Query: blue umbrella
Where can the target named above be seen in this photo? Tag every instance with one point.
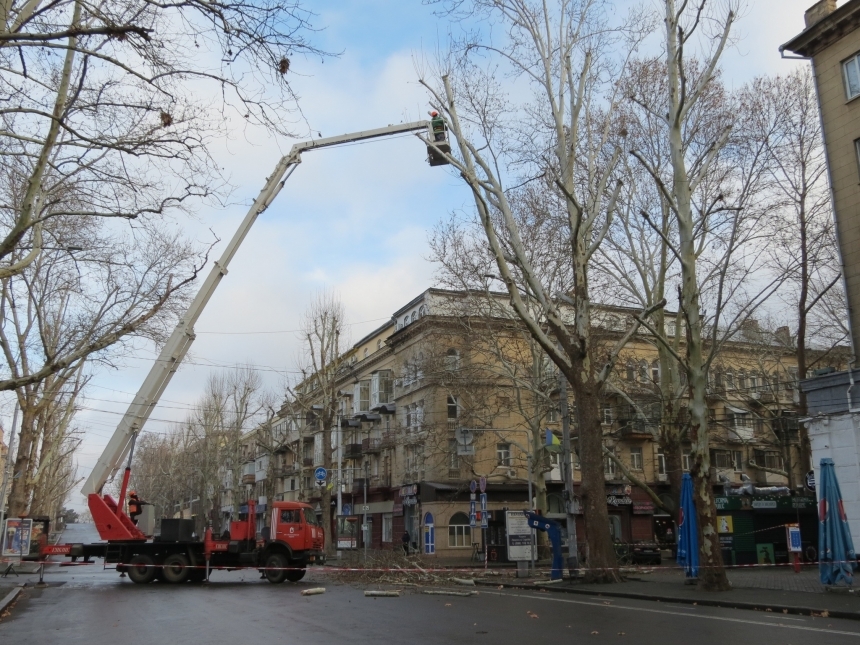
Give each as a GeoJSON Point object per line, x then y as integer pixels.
{"type": "Point", "coordinates": [836, 557]}
{"type": "Point", "coordinates": [688, 530]}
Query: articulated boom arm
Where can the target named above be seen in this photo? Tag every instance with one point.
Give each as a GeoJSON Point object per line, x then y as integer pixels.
{"type": "Point", "coordinates": [183, 335]}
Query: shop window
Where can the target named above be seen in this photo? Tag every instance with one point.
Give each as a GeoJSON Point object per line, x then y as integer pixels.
{"type": "Point", "coordinates": [387, 527]}
{"type": "Point", "coordinates": [615, 528]}
{"type": "Point", "coordinates": [636, 458]}
{"type": "Point", "coordinates": [503, 454]}
{"type": "Point", "coordinates": [459, 532]}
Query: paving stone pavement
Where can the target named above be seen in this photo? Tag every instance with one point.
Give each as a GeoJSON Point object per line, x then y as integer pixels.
{"type": "Point", "coordinates": [776, 578]}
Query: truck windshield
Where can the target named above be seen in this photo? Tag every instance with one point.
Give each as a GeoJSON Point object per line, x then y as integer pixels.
{"type": "Point", "coordinates": [310, 517]}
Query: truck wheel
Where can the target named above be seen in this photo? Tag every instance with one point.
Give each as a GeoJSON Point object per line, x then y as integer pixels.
{"type": "Point", "coordinates": [275, 568]}
{"type": "Point", "coordinates": [141, 569]}
{"type": "Point", "coordinates": [175, 568]}
{"type": "Point", "coordinates": [294, 575]}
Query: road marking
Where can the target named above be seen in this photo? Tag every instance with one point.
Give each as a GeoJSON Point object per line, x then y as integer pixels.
{"type": "Point", "coordinates": [677, 613]}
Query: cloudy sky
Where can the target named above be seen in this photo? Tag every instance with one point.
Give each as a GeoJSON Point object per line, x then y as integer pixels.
{"type": "Point", "coordinates": [354, 219]}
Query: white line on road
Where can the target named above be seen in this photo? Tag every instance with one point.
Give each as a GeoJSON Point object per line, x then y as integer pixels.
{"type": "Point", "coordinates": [678, 613]}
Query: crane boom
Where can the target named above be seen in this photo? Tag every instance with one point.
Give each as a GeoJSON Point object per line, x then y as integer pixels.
{"type": "Point", "coordinates": [180, 340]}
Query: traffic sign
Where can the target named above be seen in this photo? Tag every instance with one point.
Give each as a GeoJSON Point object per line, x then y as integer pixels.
{"type": "Point", "coordinates": [320, 474]}
{"type": "Point", "coordinates": [810, 480]}
{"type": "Point", "coordinates": [483, 501]}
{"type": "Point", "coordinates": [473, 486]}
{"type": "Point", "coordinates": [483, 483]}
{"type": "Point", "coordinates": [472, 515]}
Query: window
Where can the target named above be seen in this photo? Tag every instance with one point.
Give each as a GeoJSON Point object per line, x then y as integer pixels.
{"type": "Point", "coordinates": [607, 415]}
{"type": "Point", "coordinates": [293, 483]}
{"type": "Point", "coordinates": [631, 371]}
{"type": "Point", "coordinates": [608, 465]}
{"type": "Point", "coordinates": [387, 527]}
{"type": "Point", "coordinates": [382, 388]}
{"type": "Point", "coordinates": [636, 458]}
{"type": "Point", "coordinates": [452, 407]}
{"type": "Point", "coordinates": [453, 457]}
{"type": "Point", "coordinates": [452, 360]}
{"type": "Point", "coordinates": [459, 533]}
{"type": "Point", "coordinates": [722, 459]}
{"type": "Point", "coordinates": [742, 381]}
{"type": "Point", "coordinates": [414, 316]}
{"type": "Point", "coordinates": [643, 371]}
{"type": "Point", "coordinates": [730, 380]}
{"type": "Point", "coordinates": [686, 461]}
{"type": "Point", "coordinates": [661, 464]}
{"type": "Point", "coordinates": [552, 415]}
{"type": "Point", "coordinates": [503, 454]}
{"type": "Point", "coordinates": [364, 396]}
{"type": "Point", "coordinates": [738, 461]}
{"type": "Point", "coordinates": [851, 73]}
{"type": "Point", "coordinates": [306, 482]}
{"type": "Point", "coordinates": [655, 372]}
{"type": "Point", "coordinates": [753, 383]}
{"type": "Point", "coordinates": [310, 517]}
{"type": "Point", "coordinates": [366, 352]}
{"type": "Point", "coordinates": [291, 516]}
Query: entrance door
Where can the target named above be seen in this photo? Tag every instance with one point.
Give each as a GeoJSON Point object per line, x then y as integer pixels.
{"type": "Point", "coordinates": [429, 534]}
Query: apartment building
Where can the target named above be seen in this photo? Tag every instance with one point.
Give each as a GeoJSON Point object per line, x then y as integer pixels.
{"type": "Point", "coordinates": [831, 41]}
{"type": "Point", "coordinates": [446, 393]}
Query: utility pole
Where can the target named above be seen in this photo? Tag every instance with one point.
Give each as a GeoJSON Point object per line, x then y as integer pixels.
{"type": "Point", "coordinates": [567, 473]}
{"type": "Point", "coordinates": [6, 476]}
{"type": "Point", "coordinates": [339, 432]}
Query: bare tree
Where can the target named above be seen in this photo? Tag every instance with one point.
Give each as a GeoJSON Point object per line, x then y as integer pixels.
{"type": "Point", "coordinates": [785, 115]}
{"type": "Point", "coordinates": [109, 111]}
{"type": "Point", "coordinates": [567, 53]}
{"type": "Point", "coordinates": [317, 395]}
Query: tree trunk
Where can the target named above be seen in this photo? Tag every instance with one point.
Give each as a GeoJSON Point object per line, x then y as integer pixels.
{"type": "Point", "coordinates": [19, 495]}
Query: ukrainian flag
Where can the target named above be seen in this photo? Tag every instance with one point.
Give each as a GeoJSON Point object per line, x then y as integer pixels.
{"type": "Point", "coordinates": [551, 439]}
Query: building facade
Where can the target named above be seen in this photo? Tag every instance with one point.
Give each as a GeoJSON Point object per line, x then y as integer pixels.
{"type": "Point", "coordinates": [446, 393]}
{"type": "Point", "coordinates": [831, 41]}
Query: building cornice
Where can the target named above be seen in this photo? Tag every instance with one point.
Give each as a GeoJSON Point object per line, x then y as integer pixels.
{"type": "Point", "coordinates": [826, 31]}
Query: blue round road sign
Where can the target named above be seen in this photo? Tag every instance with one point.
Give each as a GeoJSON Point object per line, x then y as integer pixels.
{"type": "Point", "coordinates": [320, 474]}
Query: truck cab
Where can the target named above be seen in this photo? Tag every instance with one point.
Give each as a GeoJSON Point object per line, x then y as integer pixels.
{"type": "Point", "coordinates": [295, 540]}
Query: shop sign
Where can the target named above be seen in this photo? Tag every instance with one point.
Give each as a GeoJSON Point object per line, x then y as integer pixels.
{"type": "Point", "coordinates": [618, 500]}
{"type": "Point", "coordinates": [746, 503]}
{"type": "Point", "coordinates": [397, 510]}
{"type": "Point", "coordinates": [726, 541]}
{"type": "Point", "coordinates": [725, 524]}
{"type": "Point", "coordinates": [643, 508]}
{"type": "Point", "coordinates": [409, 490]}
{"type": "Point", "coordinates": [410, 501]}
{"type": "Point", "coordinates": [764, 503]}
{"type": "Point", "coordinates": [520, 543]}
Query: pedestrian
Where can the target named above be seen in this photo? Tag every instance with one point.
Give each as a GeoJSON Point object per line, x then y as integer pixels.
{"type": "Point", "coordinates": [405, 539]}
{"type": "Point", "coordinates": [135, 506]}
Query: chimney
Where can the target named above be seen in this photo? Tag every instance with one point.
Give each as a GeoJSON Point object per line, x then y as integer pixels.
{"type": "Point", "coordinates": [783, 335]}
{"type": "Point", "coordinates": [819, 10]}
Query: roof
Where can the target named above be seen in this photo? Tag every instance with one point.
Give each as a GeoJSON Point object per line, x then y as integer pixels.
{"type": "Point", "coordinates": [826, 31]}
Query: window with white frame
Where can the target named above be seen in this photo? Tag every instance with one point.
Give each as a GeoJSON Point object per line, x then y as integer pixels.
{"type": "Point", "coordinates": [552, 415]}
{"type": "Point", "coordinates": [851, 75]}
{"type": "Point", "coordinates": [636, 458]}
{"type": "Point", "coordinates": [607, 415]}
{"type": "Point", "coordinates": [722, 459]}
{"type": "Point", "coordinates": [503, 454]}
{"type": "Point", "coordinates": [459, 532]}
{"type": "Point", "coordinates": [686, 461]}
{"type": "Point", "coordinates": [738, 461]}
{"type": "Point", "coordinates": [452, 360]}
{"type": "Point", "coordinates": [453, 457]}
{"type": "Point", "coordinates": [452, 407]}
{"type": "Point", "coordinates": [387, 527]}
{"type": "Point", "coordinates": [608, 465]}
{"type": "Point", "coordinates": [661, 464]}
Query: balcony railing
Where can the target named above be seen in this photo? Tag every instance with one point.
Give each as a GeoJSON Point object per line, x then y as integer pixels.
{"type": "Point", "coordinates": [249, 479]}
{"type": "Point", "coordinates": [371, 445]}
{"type": "Point", "coordinates": [388, 439]}
{"type": "Point", "coordinates": [308, 461]}
{"type": "Point", "coordinates": [352, 450]}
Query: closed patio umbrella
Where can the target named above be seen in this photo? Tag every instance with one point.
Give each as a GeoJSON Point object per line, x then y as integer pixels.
{"type": "Point", "coordinates": [688, 530]}
{"type": "Point", "coordinates": [836, 557]}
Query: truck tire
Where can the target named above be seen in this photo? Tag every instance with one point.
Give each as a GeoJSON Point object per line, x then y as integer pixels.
{"type": "Point", "coordinates": [175, 568]}
{"type": "Point", "coordinates": [294, 575]}
{"type": "Point", "coordinates": [141, 569]}
{"type": "Point", "coordinates": [275, 568]}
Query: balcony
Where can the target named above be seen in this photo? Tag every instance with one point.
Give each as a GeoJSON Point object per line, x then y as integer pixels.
{"type": "Point", "coordinates": [380, 481]}
{"type": "Point", "coordinates": [371, 445]}
{"type": "Point", "coordinates": [636, 429]}
{"type": "Point", "coordinates": [307, 462]}
{"type": "Point", "coordinates": [387, 440]}
{"type": "Point", "coordinates": [249, 479]}
{"type": "Point", "coordinates": [352, 451]}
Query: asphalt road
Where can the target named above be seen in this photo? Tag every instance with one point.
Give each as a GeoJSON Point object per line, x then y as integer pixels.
{"type": "Point", "coordinates": [89, 605]}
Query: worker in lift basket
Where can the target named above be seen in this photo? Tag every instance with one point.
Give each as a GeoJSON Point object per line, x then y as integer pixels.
{"type": "Point", "coordinates": [135, 506]}
{"type": "Point", "coordinates": [437, 123]}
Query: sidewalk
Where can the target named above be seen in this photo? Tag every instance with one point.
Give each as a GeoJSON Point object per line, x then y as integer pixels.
{"type": "Point", "coordinates": [758, 589]}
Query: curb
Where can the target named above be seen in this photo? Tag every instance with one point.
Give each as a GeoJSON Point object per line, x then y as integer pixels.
{"type": "Point", "coordinates": [703, 602]}
{"type": "Point", "coordinates": [10, 597]}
